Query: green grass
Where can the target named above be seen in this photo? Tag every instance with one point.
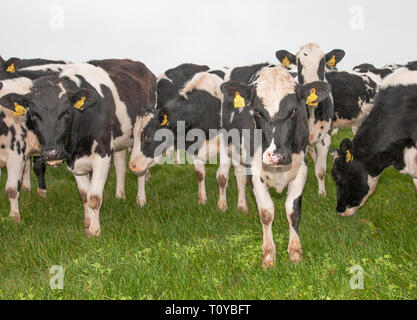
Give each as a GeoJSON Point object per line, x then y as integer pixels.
{"type": "Point", "coordinates": [176, 249]}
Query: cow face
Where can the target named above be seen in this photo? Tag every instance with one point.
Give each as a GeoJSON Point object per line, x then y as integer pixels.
{"type": "Point", "coordinates": [351, 178]}
{"type": "Point", "coordinates": [284, 131]}
{"type": "Point", "coordinates": [51, 109]}
{"type": "Point", "coordinates": [145, 149]}
{"type": "Point", "coordinates": [312, 62]}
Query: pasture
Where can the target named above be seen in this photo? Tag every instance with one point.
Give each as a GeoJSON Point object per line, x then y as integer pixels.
{"type": "Point", "coordinates": [176, 249]}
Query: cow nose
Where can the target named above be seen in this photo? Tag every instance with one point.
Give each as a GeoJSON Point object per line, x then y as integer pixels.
{"type": "Point", "coordinates": [133, 167]}
{"type": "Point", "coordinates": [280, 158]}
{"type": "Point", "coordinates": [51, 154]}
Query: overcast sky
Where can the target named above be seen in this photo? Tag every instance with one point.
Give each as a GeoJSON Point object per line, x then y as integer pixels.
{"type": "Point", "coordinates": [163, 34]}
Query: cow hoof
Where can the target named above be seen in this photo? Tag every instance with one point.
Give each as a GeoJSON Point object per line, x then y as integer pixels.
{"type": "Point", "coordinates": [243, 209]}
{"type": "Point", "coordinates": [202, 200]}
{"type": "Point", "coordinates": [26, 187]}
{"type": "Point", "coordinates": [92, 233]}
{"type": "Point", "coordinates": [222, 205]}
{"type": "Point", "coordinates": [295, 253]}
{"type": "Point", "coordinates": [121, 195]}
{"type": "Point", "coordinates": [41, 193]}
{"type": "Point", "coordinates": [268, 257]}
{"type": "Point", "coordinates": [15, 216]}
{"type": "Point", "coordinates": [322, 194]}
{"type": "Point", "coordinates": [141, 202]}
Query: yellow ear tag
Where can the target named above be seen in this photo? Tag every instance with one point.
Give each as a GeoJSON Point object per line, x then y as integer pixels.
{"type": "Point", "coordinates": [349, 156]}
{"type": "Point", "coordinates": [332, 62]}
{"type": "Point", "coordinates": [165, 122]}
{"type": "Point", "coordinates": [239, 102]}
{"type": "Point", "coordinates": [80, 104]}
{"type": "Point", "coordinates": [312, 98]}
{"type": "Point", "coordinates": [285, 62]}
{"type": "Point", "coordinates": [11, 68]}
{"type": "Point", "coordinates": [19, 110]}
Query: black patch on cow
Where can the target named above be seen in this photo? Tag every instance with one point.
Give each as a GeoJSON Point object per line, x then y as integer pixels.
{"type": "Point", "coordinates": [347, 89]}
{"type": "Point", "coordinates": [296, 215]}
{"type": "Point", "coordinates": [39, 167]}
{"type": "Point", "coordinates": [219, 73]}
{"type": "Point", "coordinates": [4, 129]}
{"type": "Point", "coordinates": [247, 74]}
{"type": "Point", "coordinates": [13, 139]}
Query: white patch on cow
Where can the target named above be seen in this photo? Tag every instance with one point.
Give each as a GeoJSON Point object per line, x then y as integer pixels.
{"type": "Point", "coordinates": [63, 91]}
{"type": "Point", "coordinates": [47, 67]}
{"type": "Point", "coordinates": [163, 76]}
{"type": "Point", "coordinates": [270, 150]}
{"type": "Point", "coordinates": [272, 85]}
{"type": "Point", "coordinates": [410, 160]}
{"type": "Point", "coordinates": [204, 81]}
{"type": "Point", "coordinates": [401, 76]}
{"type": "Point", "coordinates": [310, 56]}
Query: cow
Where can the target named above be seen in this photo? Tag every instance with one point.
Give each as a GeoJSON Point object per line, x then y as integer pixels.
{"type": "Point", "coordinates": [267, 98]}
{"type": "Point", "coordinates": [8, 70]}
{"type": "Point", "coordinates": [387, 137]}
{"type": "Point", "coordinates": [376, 74]}
{"type": "Point", "coordinates": [312, 64]}
{"type": "Point", "coordinates": [197, 105]}
{"type": "Point", "coordinates": [83, 115]}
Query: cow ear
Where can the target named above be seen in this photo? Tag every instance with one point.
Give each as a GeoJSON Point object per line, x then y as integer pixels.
{"type": "Point", "coordinates": [11, 65]}
{"type": "Point", "coordinates": [315, 92]}
{"type": "Point", "coordinates": [240, 93]}
{"type": "Point", "coordinates": [83, 99]}
{"type": "Point", "coordinates": [346, 149]}
{"type": "Point", "coordinates": [164, 117]}
{"type": "Point", "coordinates": [286, 58]}
{"type": "Point", "coordinates": [334, 57]}
{"type": "Point", "coordinates": [17, 103]}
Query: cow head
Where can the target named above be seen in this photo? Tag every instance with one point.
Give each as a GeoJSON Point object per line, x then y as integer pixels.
{"type": "Point", "coordinates": [145, 153]}
{"type": "Point", "coordinates": [285, 129]}
{"type": "Point", "coordinates": [51, 107]}
{"type": "Point", "coordinates": [353, 182]}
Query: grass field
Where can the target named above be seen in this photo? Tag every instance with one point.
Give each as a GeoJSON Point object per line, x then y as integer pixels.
{"type": "Point", "coordinates": [176, 249]}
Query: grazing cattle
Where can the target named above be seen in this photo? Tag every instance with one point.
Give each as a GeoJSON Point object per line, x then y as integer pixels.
{"type": "Point", "coordinates": [311, 66]}
{"type": "Point", "coordinates": [388, 137]}
{"type": "Point", "coordinates": [267, 98]}
{"type": "Point", "coordinates": [197, 105]}
{"type": "Point", "coordinates": [85, 114]}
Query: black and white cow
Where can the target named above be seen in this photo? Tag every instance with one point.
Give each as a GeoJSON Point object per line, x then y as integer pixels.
{"type": "Point", "coordinates": [197, 105]}
{"type": "Point", "coordinates": [17, 141]}
{"type": "Point", "coordinates": [84, 115]}
{"type": "Point", "coordinates": [312, 64]}
{"type": "Point", "coordinates": [8, 70]}
{"type": "Point", "coordinates": [266, 97]}
{"type": "Point", "coordinates": [388, 137]}
{"type": "Point", "coordinates": [376, 74]}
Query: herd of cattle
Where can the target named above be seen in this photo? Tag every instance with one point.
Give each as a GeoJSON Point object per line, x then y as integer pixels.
{"type": "Point", "coordinates": [86, 114]}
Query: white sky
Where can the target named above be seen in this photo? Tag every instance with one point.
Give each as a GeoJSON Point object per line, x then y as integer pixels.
{"type": "Point", "coordinates": [163, 34]}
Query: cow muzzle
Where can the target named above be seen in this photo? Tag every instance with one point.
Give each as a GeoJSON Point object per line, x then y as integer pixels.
{"type": "Point", "coordinates": [53, 157]}
{"type": "Point", "coordinates": [278, 158]}
{"type": "Point", "coordinates": [348, 212]}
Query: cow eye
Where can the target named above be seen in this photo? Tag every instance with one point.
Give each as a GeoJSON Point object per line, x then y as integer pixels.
{"type": "Point", "coordinates": [34, 116]}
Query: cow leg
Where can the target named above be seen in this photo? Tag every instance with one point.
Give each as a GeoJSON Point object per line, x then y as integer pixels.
{"type": "Point", "coordinates": [222, 181]}
{"type": "Point", "coordinates": [335, 131]}
{"type": "Point", "coordinates": [83, 183]}
{"type": "Point", "coordinates": [266, 214]}
{"type": "Point", "coordinates": [119, 159]}
{"type": "Point", "coordinates": [15, 166]}
{"type": "Point", "coordinates": [26, 176]}
{"type": "Point", "coordinates": [141, 196]}
{"type": "Point", "coordinates": [99, 176]}
{"type": "Point", "coordinates": [321, 164]}
{"type": "Point", "coordinates": [200, 171]}
{"type": "Point", "coordinates": [415, 182]}
{"type": "Point", "coordinates": [241, 178]}
{"type": "Point", "coordinates": [355, 129]}
{"type": "Point", "coordinates": [39, 167]}
{"type": "Point", "coordinates": [293, 211]}
{"type": "Point", "coordinates": [312, 152]}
